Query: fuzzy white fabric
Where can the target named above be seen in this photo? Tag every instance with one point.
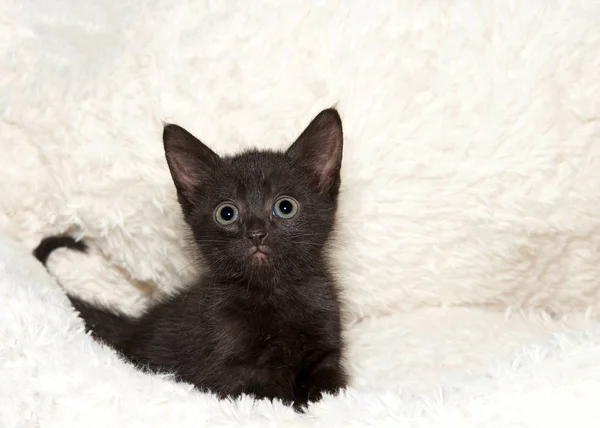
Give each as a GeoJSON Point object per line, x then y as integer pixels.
{"type": "Point", "coordinates": [471, 180]}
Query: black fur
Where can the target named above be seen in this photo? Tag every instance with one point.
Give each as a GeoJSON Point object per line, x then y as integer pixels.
{"type": "Point", "coordinates": [265, 318]}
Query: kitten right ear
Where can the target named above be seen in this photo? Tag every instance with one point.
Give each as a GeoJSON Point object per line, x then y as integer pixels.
{"type": "Point", "coordinates": [190, 163]}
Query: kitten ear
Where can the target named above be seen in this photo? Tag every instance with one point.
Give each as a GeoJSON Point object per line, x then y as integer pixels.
{"type": "Point", "coordinates": [319, 148]}
{"type": "Point", "coordinates": [190, 163]}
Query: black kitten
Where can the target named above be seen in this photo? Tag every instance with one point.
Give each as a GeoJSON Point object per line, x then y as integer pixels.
{"type": "Point", "coordinates": [265, 317]}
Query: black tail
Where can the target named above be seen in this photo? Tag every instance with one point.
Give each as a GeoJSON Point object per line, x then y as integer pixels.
{"type": "Point", "coordinates": [109, 326]}
{"type": "Point", "coordinates": [51, 243]}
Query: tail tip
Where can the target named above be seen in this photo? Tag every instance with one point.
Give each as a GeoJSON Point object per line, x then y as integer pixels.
{"type": "Point", "coordinates": [51, 243]}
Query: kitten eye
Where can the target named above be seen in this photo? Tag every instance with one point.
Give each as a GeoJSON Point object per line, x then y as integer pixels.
{"type": "Point", "coordinates": [285, 207]}
{"type": "Point", "coordinates": [226, 214]}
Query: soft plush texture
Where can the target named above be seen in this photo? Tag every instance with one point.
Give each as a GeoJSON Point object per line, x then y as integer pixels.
{"type": "Point", "coordinates": [471, 190]}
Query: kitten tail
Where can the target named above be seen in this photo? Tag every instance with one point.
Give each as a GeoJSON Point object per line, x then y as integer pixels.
{"type": "Point", "coordinates": [51, 243]}
{"type": "Point", "coordinates": [105, 324]}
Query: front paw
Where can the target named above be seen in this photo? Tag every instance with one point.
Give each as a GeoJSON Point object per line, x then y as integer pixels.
{"type": "Point", "coordinates": [325, 381]}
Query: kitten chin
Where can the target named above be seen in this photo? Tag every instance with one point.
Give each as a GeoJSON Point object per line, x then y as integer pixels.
{"type": "Point", "coordinates": [264, 319]}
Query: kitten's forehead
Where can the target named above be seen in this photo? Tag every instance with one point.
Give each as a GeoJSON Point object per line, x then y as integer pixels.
{"type": "Point", "coordinates": [259, 175]}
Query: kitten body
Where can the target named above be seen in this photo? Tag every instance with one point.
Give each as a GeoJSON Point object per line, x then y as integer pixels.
{"type": "Point", "coordinates": [265, 318]}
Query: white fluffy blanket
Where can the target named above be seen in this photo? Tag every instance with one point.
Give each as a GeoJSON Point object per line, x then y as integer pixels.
{"type": "Point", "coordinates": [471, 192]}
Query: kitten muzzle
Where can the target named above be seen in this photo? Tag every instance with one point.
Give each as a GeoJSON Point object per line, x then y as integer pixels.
{"type": "Point", "coordinates": [259, 254]}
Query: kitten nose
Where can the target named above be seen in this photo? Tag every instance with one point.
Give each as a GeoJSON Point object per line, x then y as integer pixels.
{"type": "Point", "coordinates": [256, 236]}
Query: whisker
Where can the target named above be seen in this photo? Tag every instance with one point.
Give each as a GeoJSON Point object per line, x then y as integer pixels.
{"type": "Point", "coordinates": [176, 274]}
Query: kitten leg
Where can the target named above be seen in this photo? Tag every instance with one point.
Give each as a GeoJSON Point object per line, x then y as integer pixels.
{"type": "Point", "coordinates": [325, 376]}
{"type": "Point", "coordinates": [260, 383]}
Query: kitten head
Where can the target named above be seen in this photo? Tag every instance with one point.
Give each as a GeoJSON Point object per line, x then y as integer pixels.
{"type": "Point", "coordinates": [260, 212]}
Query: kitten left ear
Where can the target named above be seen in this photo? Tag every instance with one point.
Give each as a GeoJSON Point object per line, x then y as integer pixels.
{"type": "Point", "coordinates": [319, 148]}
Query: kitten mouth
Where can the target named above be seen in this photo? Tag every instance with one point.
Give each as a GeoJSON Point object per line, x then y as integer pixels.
{"type": "Point", "coordinates": [259, 255]}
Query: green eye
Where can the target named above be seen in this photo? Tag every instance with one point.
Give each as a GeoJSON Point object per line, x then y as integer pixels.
{"type": "Point", "coordinates": [226, 214]}
{"type": "Point", "coordinates": [285, 207]}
